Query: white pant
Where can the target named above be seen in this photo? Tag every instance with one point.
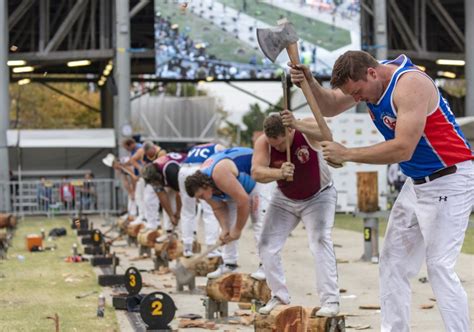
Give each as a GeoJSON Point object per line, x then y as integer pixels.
{"type": "Point", "coordinates": [230, 251]}
{"type": "Point", "coordinates": [428, 221]}
{"type": "Point", "coordinates": [152, 206]}
{"type": "Point", "coordinates": [317, 214]}
{"type": "Point", "coordinates": [140, 197]}
{"type": "Point", "coordinates": [190, 211]}
{"type": "Point", "coordinates": [131, 206]}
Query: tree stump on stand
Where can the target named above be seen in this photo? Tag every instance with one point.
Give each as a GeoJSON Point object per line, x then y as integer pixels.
{"type": "Point", "coordinates": [237, 287]}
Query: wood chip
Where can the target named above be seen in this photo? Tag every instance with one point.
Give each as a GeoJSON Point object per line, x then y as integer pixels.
{"type": "Point", "coordinates": [342, 290]}
{"type": "Point", "coordinates": [245, 306]}
{"type": "Point", "coordinates": [167, 286]}
{"type": "Point", "coordinates": [426, 306]}
{"type": "Point", "coordinates": [432, 299]}
{"type": "Point", "coordinates": [199, 323]}
{"type": "Point", "coordinates": [342, 261]}
{"type": "Point", "coordinates": [369, 307]}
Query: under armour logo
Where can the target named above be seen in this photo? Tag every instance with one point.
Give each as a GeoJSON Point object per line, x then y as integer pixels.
{"type": "Point", "coordinates": [445, 198]}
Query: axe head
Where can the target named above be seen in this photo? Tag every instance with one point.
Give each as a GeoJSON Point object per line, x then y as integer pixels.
{"type": "Point", "coordinates": [274, 40]}
{"type": "Point", "coordinates": [183, 275]}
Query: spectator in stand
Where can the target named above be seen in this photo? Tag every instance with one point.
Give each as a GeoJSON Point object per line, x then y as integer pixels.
{"type": "Point", "coordinates": [44, 194]}
{"type": "Point", "coordinates": [88, 192]}
{"type": "Point", "coordinates": [67, 193]}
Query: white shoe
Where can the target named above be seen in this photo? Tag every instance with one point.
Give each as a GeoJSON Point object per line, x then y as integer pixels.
{"type": "Point", "coordinates": [151, 227]}
{"type": "Point", "coordinates": [221, 270]}
{"type": "Point", "coordinates": [274, 301]}
{"type": "Point", "coordinates": [330, 309]}
{"type": "Point", "coordinates": [259, 274]}
{"type": "Point", "coordinates": [163, 237]}
{"type": "Point", "coordinates": [139, 220]}
{"type": "Point", "coordinates": [124, 216]}
{"type": "Point", "coordinates": [214, 253]}
{"type": "Point", "coordinates": [188, 250]}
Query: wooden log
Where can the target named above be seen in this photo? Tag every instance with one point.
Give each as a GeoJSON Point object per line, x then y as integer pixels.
{"type": "Point", "coordinates": [324, 324]}
{"type": "Point", "coordinates": [7, 220]}
{"type": "Point", "coordinates": [174, 248]}
{"type": "Point", "coordinates": [286, 318]}
{"type": "Point", "coordinates": [147, 237]}
{"type": "Point", "coordinates": [283, 318]}
{"type": "Point", "coordinates": [367, 191]}
{"type": "Point", "coordinates": [237, 287]}
{"type": "Point", "coordinates": [206, 266]}
{"type": "Point", "coordinates": [196, 247]}
{"type": "Point", "coordinates": [133, 231]}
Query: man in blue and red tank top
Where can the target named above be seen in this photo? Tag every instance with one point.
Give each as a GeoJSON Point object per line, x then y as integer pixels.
{"type": "Point", "coordinates": [224, 182]}
{"type": "Point", "coordinates": [189, 211]}
{"type": "Point", "coordinates": [162, 175]}
{"type": "Point", "coordinates": [309, 197]}
{"type": "Point", "coordinates": [421, 135]}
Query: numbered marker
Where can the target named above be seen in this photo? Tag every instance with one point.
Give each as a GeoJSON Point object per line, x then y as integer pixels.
{"type": "Point", "coordinates": [133, 281]}
{"type": "Point", "coordinates": [367, 233]}
{"type": "Point", "coordinates": [157, 310]}
{"type": "Point", "coordinates": [96, 237]}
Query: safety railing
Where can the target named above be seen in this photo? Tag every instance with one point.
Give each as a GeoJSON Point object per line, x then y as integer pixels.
{"type": "Point", "coordinates": [51, 197]}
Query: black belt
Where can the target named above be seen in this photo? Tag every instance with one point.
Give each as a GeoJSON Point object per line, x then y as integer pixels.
{"type": "Point", "coordinates": [435, 175]}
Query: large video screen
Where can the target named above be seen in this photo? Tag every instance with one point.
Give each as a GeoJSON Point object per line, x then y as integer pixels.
{"type": "Point", "coordinates": [215, 40]}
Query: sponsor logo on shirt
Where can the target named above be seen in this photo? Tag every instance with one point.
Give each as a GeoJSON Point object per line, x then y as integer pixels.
{"type": "Point", "coordinates": [302, 153]}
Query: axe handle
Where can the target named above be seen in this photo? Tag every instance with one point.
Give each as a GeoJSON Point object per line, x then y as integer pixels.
{"type": "Point", "coordinates": [287, 131]}
{"type": "Point", "coordinates": [194, 260]}
{"type": "Point", "coordinates": [292, 50]}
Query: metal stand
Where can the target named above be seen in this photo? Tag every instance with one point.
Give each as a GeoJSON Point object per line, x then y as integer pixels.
{"type": "Point", "coordinates": [191, 284]}
{"type": "Point", "coordinates": [214, 309]}
{"type": "Point", "coordinates": [142, 251]}
{"type": "Point", "coordinates": [131, 240]}
{"type": "Point", "coordinates": [159, 262]}
{"type": "Point", "coordinates": [371, 235]}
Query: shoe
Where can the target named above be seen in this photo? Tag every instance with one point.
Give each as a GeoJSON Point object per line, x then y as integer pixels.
{"type": "Point", "coordinates": [163, 237]}
{"type": "Point", "coordinates": [329, 309]}
{"type": "Point", "coordinates": [151, 226]}
{"type": "Point", "coordinates": [274, 301]}
{"type": "Point", "coordinates": [259, 274]}
{"type": "Point", "coordinates": [214, 253]}
{"type": "Point", "coordinates": [139, 220]}
{"type": "Point", "coordinates": [188, 250]}
{"type": "Point", "coordinates": [221, 270]}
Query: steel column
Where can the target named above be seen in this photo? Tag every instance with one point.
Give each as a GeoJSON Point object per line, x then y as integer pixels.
{"type": "Point", "coordinates": [4, 105]}
{"type": "Point", "coordinates": [469, 49]}
{"type": "Point", "coordinates": [380, 27]}
{"type": "Point", "coordinates": [122, 67]}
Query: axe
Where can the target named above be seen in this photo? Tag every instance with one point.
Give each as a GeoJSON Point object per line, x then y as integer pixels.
{"type": "Point", "coordinates": [182, 272]}
{"type": "Point", "coordinates": [286, 105]}
{"type": "Point", "coordinates": [272, 41]}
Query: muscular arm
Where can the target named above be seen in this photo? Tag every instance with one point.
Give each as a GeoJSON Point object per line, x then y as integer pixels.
{"type": "Point", "coordinates": [309, 127]}
{"type": "Point", "coordinates": [331, 102]}
{"type": "Point", "coordinates": [224, 177]}
{"type": "Point", "coordinates": [414, 97]}
{"type": "Point", "coordinates": [136, 158]}
{"type": "Point", "coordinates": [261, 172]}
{"type": "Point", "coordinates": [166, 204]}
{"type": "Point", "coordinates": [221, 212]}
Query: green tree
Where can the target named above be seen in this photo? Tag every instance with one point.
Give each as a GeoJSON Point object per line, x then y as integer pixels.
{"type": "Point", "coordinates": [34, 106]}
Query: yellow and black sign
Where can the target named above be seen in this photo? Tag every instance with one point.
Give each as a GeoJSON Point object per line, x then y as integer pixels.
{"type": "Point", "coordinates": [157, 310]}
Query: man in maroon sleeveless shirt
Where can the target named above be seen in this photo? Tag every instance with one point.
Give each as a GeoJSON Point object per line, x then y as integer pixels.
{"type": "Point", "coordinates": [310, 197]}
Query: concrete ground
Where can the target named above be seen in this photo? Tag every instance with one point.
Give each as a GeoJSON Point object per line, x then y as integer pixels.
{"type": "Point", "coordinates": [359, 279]}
